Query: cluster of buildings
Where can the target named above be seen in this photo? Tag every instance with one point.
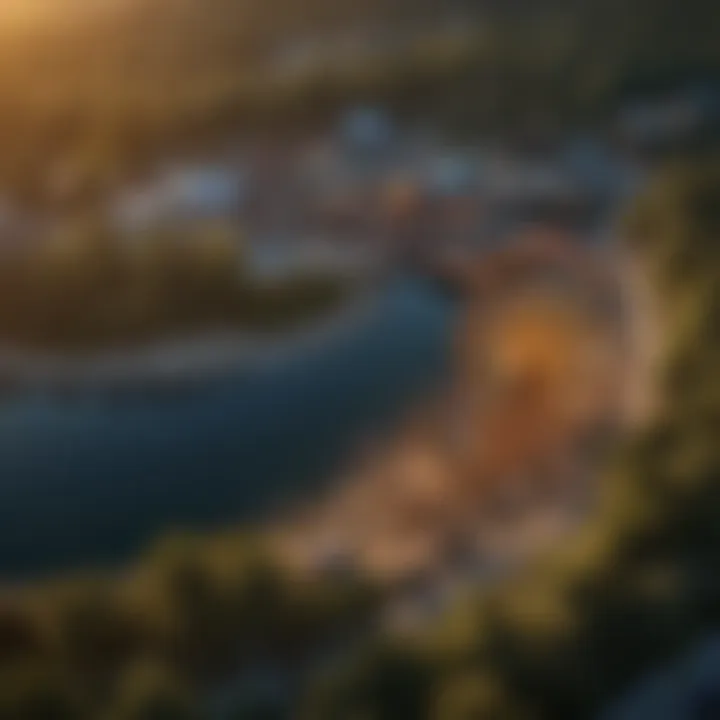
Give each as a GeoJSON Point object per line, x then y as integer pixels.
{"type": "Point", "coordinates": [500, 466]}
{"type": "Point", "coordinates": [368, 194]}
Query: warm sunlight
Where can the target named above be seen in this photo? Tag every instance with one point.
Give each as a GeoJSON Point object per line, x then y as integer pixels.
{"type": "Point", "coordinates": [358, 358]}
{"type": "Point", "coordinates": [27, 15]}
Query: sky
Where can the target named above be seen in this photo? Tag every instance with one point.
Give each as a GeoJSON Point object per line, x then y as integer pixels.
{"type": "Point", "coordinates": [32, 20]}
{"type": "Point", "coordinates": [21, 14]}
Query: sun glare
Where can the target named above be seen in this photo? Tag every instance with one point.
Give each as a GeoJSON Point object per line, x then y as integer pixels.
{"type": "Point", "coordinates": [18, 15]}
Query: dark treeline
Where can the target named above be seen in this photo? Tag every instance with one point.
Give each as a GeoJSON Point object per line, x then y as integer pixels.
{"type": "Point", "coordinates": [86, 287]}
{"type": "Point", "coordinates": [158, 642]}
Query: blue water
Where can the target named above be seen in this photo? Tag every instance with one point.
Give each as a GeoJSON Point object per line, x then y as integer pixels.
{"type": "Point", "coordinates": [88, 480]}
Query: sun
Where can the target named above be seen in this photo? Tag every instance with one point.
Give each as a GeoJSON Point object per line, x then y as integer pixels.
{"type": "Point", "coordinates": [27, 15]}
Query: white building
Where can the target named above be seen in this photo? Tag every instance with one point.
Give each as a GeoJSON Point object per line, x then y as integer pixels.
{"type": "Point", "coordinates": [279, 260]}
{"type": "Point", "coordinates": [179, 196]}
{"type": "Point", "coordinates": [595, 168]}
{"type": "Point", "coordinates": [669, 118]}
{"type": "Point", "coordinates": [451, 173]}
{"type": "Point", "coordinates": [367, 129]}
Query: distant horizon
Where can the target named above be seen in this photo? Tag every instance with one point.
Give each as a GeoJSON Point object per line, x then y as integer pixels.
{"type": "Point", "coordinates": [27, 15]}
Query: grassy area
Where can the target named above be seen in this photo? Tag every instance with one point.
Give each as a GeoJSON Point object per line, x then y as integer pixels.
{"type": "Point", "coordinates": [86, 288]}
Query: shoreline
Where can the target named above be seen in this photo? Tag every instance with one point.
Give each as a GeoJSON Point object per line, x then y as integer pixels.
{"type": "Point", "coordinates": [171, 361]}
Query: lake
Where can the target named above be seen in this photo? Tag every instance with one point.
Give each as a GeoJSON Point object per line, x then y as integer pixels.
{"type": "Point", "coordinates": [91, 478]}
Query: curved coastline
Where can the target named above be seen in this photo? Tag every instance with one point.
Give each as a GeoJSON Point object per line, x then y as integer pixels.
{"type": "Point", "coordinates": [173, 361]}
{"type": "Point", "coordinates": [92, 475]}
